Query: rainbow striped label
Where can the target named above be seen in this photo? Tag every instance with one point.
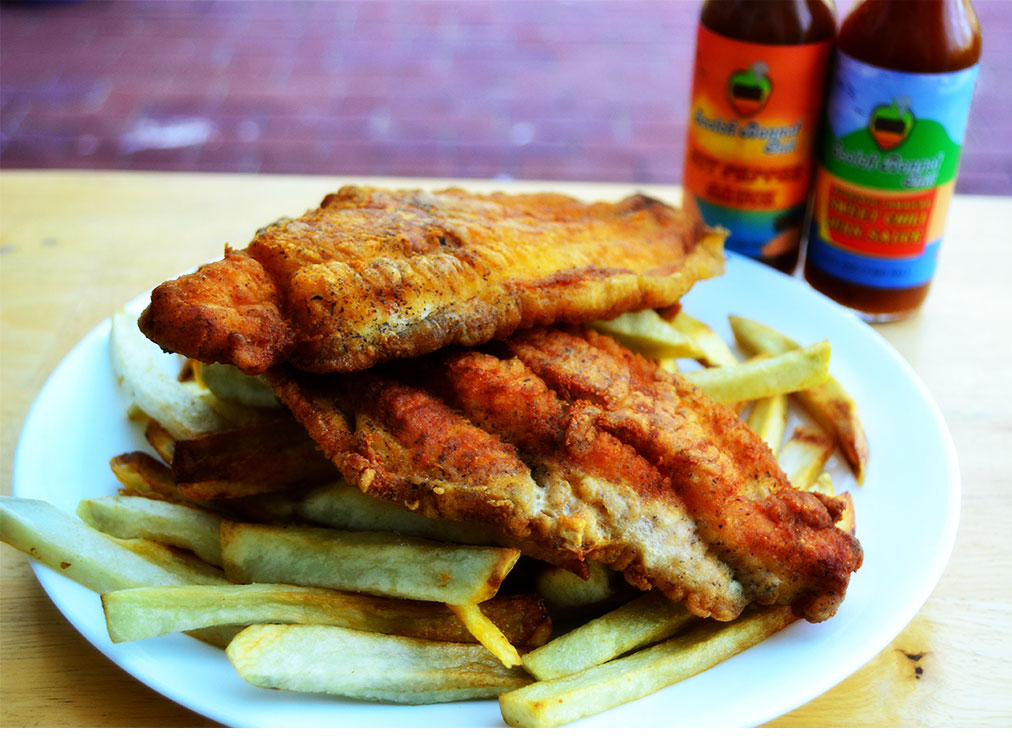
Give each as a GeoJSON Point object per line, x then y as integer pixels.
{"type": "Point", "coordinates": [753, 122]}
{"type": "Point", "coordinates": [888, 164]}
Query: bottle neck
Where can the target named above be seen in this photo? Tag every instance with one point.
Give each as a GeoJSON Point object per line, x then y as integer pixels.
{"type": "Point", "coordinates": [927, 36]}
{"type": "Point", "coordinates": [778, 22]}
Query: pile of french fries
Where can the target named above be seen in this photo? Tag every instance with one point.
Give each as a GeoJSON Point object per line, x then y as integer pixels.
{"type": "Point", "coordinates": [236, 532]}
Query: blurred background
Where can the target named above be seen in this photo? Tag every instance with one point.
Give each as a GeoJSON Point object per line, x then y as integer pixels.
{"type": "Point", "coordinates": [537, 89]}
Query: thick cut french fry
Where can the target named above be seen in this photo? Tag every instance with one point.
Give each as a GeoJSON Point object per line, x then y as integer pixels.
{"type": "Point", "coordinates": [344, 506]}
{"type": "Point", "coordinates": [144, 476]}
{"type": "Point", "coordinates": [164, 522]}
{"type": "Point", "coordinates": [67, 545]}
{"type": "Point", "coordinates": [646, 333]}
{"type": "Point", "coordinates": [377, 563]}
{"type": "Point", "coordinates": [847, 521]}
{"type": "Point", "coordinates": [368, 666]}
{"type": "Point", "coordinates": [781, 374]}
{"type": "Point", "coordinates": [270, 509]}
{"type": "Point", "coordinates": [713, 351]}
{"type": "Point", "coordinates": [184, 409]}
{"type": "Point", "coordinates": [140, 472]}
{"type": "Point", "coordinates": [768, 418]}
{"type": "Point", "coordinates": [239, 415]}
{"type": "Point", "coordinates": [565, 592]}
{"type": "Point", "coordinates": [228, 383]}
{"type": "Point", "coordinates": [829, 404]}
{"type": "Point", "coordinates": [146, 612]}
{"type": "Point", "coordinates": [188, 370]}
{"type": "Point", "coordinates": [804, 454]}
{"type": "Point", "coordinates": [487, 633]}
{"type": "Point", "coordinates": [556, 702]}
{"type": "Point", "coordinates": [160, 439]}
{"type": "Point", "coordinates": [192, 569]}
{"type": "Point", "coordinates": [272, 456]}
{"type": "Point", "coordinates": [823, 484]}
{"type": "Point", "coordinates": [98, 562]}
{"type": "Point", "coordinates": [647, 619]}
{"type": "Point", "coordinates": [669, 365]}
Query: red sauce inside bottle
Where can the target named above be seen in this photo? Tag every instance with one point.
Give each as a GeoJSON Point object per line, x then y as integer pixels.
{"type": "Point", "coordinates": [780, 22]}
{"type": "Point", "coordinates": [927, 36]}
{"type": "Point", "coordinates": [771, 22]}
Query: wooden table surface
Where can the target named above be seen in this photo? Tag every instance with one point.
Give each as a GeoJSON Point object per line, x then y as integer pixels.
{"type": "Point", "coordinates": [75, 246]}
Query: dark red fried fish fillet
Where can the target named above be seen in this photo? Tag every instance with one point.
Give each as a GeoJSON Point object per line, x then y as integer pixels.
{"type": "Point", "coordinates": [577, 449]}
{"type": "Point", "coordinates": [374, 274]}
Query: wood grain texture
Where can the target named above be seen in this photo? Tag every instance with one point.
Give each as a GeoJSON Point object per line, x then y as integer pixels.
{"type": "Point", "coordinates": [75, 246]}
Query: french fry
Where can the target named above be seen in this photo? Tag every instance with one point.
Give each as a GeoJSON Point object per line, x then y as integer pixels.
{"type": "Point", "coordinates": [565, 592]}
{"type": "Point", "coordinates": [823, 484]}
{"type": "Point", "coordinates": [669, 365]}
{"type": "Point", "coordinates": [67, 545]}
{"type": "Point", "coordinates": [828, 403]}
{"type": "Point", "coordinates": [55, 538]}
{"type": "Point", "coordinates": [781, 374]}
{"type": "Point", "coordinates": [273, 456]}
{"type": "Point", "coordinates": [768, 418]}
{"type": "Point", "coordinates": [193, 571]}
{"type": "Point", "coordinates": [184, 564]}
{"type": "Point", "coordinates": [646, 333]}
{"type": "Point", "coordinates": [146, 612]}
{"type": "Point", "coordinates": [184, 409]}
{"type": "Point", "coordinates": [487, 634]}
{"type": "Point", "coordinates": [164, 522]}
{"type": "Point", "coordinates": [368, 666]}
{"type": "Point", "coordinates": [713, 351]}
{"type": "Point", "coordinates": [270, 509]}
{"type": "Point", "coordinates": [144, 476]}
{"type": "Point", "coordinates": [98, 562]}
{"type": "Point", "coordinates": [188, 370]}
{"type": "Point", "coordinates": [377, 563]}
{"type": "Point", "coordinates": [160, 439]}
{"type": "Point", "coordinates": [140, 472]}
{"type": "Point", "coordinates": [555, 702]}
{"type": "Point", "coordinates": [647, 619]}
{"type": "Point", "coordinates": [238, 415]}
{"type": "Point", "coordinates": [341, 505]}
{"type": "Point", "coordinates": [228, 383]}
{"type": "Point", "coordinates": [847, 522]}
{"type": "Point", "coordinates": [804, 454]}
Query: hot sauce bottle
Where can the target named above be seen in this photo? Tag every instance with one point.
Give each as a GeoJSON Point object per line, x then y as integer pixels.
{"type": "Point", "coordinates": [757, 96]}
{"type": "Point", "coordinates": [897, 113]}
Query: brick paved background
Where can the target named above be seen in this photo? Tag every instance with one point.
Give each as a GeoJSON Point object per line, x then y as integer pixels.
{"type": "Point", "coordinates": [585, 90]}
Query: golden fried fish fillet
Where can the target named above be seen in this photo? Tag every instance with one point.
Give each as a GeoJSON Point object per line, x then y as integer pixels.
{"type": "Point", "coordinates": [377, 274]}
{"type": "Point", "coordinates": [576, 449]}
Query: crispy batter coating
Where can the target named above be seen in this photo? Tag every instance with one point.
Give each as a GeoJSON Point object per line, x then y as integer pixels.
{"type": "Point", "coordinates": [576, 449]}
{"type": "Point", "coordinates": [376, 274]}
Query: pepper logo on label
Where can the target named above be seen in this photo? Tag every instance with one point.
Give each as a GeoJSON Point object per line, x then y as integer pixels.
{"type": "Point", "coordinates": [748, 90]}
{"type": "Point", "coordinates": [890, 125]}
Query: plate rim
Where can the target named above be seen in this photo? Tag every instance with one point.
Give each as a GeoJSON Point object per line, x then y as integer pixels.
{"type": "Point", "coordinates": [930, 573]}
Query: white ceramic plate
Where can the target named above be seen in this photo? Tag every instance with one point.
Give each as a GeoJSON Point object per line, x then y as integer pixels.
{"type": "Point", "coordinates": [907, 513]}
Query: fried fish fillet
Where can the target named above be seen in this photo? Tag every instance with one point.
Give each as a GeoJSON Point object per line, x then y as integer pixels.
{"type": "Point", "coordinates": [576, 449]}
{"type": "Point", "coordinates": [377, 274]}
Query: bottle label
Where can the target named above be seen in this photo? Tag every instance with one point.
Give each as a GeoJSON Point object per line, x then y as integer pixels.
{"type": "Point", "coordinates": [888, 164]}
{"type": "Point", "coordinates": [753, 121]}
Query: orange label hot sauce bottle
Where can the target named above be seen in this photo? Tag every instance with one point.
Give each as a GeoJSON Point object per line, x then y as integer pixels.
{"type": "Point", "coordinates": [757, 96]}
{"type": "Point", "coordinates": [897, 113]}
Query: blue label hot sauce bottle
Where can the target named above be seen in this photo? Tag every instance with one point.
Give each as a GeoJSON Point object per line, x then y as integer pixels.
{"type": "Point", "coordinates": [897, 113]}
